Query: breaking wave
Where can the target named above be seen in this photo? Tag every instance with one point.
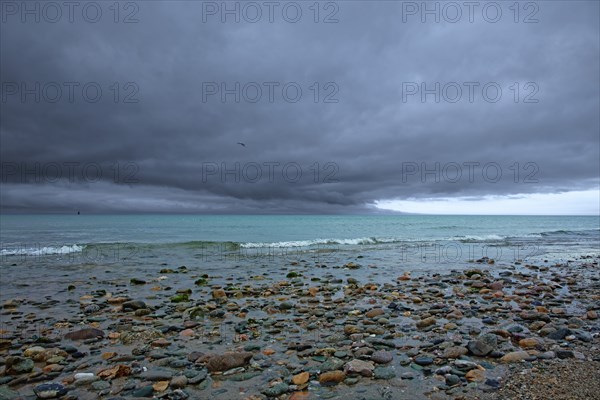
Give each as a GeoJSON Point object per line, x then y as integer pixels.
{"type": "Point", "coordinates": [42, 251]}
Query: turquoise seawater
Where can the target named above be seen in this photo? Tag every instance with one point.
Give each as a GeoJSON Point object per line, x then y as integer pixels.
{"type": "Point", "coordinates": [411, 239]}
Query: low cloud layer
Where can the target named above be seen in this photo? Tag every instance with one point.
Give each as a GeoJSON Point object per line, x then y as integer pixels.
{"type": "Point", "coordinates": [182, 112]}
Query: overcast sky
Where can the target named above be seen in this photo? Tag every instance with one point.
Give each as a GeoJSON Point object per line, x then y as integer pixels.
{"type": "Point", "coordinates": [348, 107]}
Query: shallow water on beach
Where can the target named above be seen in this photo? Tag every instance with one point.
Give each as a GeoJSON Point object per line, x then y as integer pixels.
{"type": "Point", "coordinates": [43, 254]}
{"type": "Point", "coordinates": [406, 242]}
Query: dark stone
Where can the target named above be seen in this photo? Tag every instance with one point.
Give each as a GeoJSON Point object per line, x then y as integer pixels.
{"type": "Point", "coordinates": [145, 391]}
{"type": "Point", "coordinates": [534, 316]}
{"type": "Point", "coordinates": [496, 354]}
{"type": "Point", "coordinates": [156, 375]}
{"type": "Point", "coordinates": [515, 328]}
{"type": "Point", "coordinates": [382, 357]}
{"type": "Point", "coordinates": [216, 314]}
{"type": "Point", "coordinates": [297, 346]}
{"type": "Point", "coordinates": [7, 394]}
{"type": "Point", "coordinates": [198, 377]}
{"type": "Point", "coordinates": [493, 383]}
{"type": "Point", "coordinates": [452, 380]}
{"type": "Point", "coordinates": [69, 349]}
{"type": "Point", "coordinates": [244, 376]}
{"type": "Point", "coordinates": [194, 355]}
{"type": "Point", "coordinates": [483, 345]}
{"type": "Point", "coordinates": [380, 342]}
{"type": "Point", "coordinates": [384, 373]}
{"type": "Point", "coordinates": [256, 347]}
{"type": "Point", "coordinates": [582, 335]}
{"type": "Point", "coordinates": [423, 360]}
{"type": "Point", "coordinates": [559, 334]}
{"type": "Point", "coordinates": [134, 305]}
{"type": "Point", "coordinates": [229, 360]}
{"type": "Point", "coordinates": [49, 390]}
{"type": "Point", "coordinates": [92, 308]}
{"type": "Point", "coordinates": [407, 375]}
{"type": "Point", "coordinates": [332, 364]}
{"type": "Point", "coordinates": [562, 354]}
{"type": "Point", "coordinates": [18, 365]}
{"type": "Point", "coordinates": [84, 334]}
{"type": "Point", "coordinates": [276, 390]}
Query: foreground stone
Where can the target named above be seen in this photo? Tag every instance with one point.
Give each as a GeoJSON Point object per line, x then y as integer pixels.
{"type": "Point", "coordinates": [229, 360]}
{"type": "Point", "coordinates": [515, 356]}
{"type": "Point", "coordinates": [301, 378]}
{"type": "Point", "coordinates": [85, 334]}
{"type": "Point", "coordinates": [483, 345]}
{"type": "Point", "coordinates": [18, 365]}
{"type": "Point", "coordinates": [49, 390]}
{"type": "Point", "coordinates": [331, 377]}
{"type": "Point", "coordinates": [359, 367]}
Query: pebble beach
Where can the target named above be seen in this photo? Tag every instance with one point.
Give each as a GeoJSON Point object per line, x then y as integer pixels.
{"type": "Point", "coordinates": [332, 329]}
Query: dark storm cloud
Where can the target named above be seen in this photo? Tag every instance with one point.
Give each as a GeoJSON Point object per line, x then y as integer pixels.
{"type": "Point", "coordinates": [170, 151]}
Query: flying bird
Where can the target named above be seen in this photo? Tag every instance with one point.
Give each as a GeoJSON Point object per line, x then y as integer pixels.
{"type": "Point", "coordinates": [241, 144]}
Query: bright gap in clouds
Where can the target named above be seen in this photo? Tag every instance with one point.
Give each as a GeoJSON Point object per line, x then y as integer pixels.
{"type": "Point", "coordinates": [567, 203]}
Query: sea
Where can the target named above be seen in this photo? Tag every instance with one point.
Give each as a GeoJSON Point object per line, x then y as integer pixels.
{"type": "Point", "coordinates": [217, 242]}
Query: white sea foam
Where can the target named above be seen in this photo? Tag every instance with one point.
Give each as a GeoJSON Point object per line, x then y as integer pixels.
{"type": "Point", "coordinates": [316, 242]}
{"type": "Point", "coordinates": [42, 251]}
{"type": "Point", "coordinates": [370, 241]}
{"type": "Point", "coordinates": [480, 238]}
